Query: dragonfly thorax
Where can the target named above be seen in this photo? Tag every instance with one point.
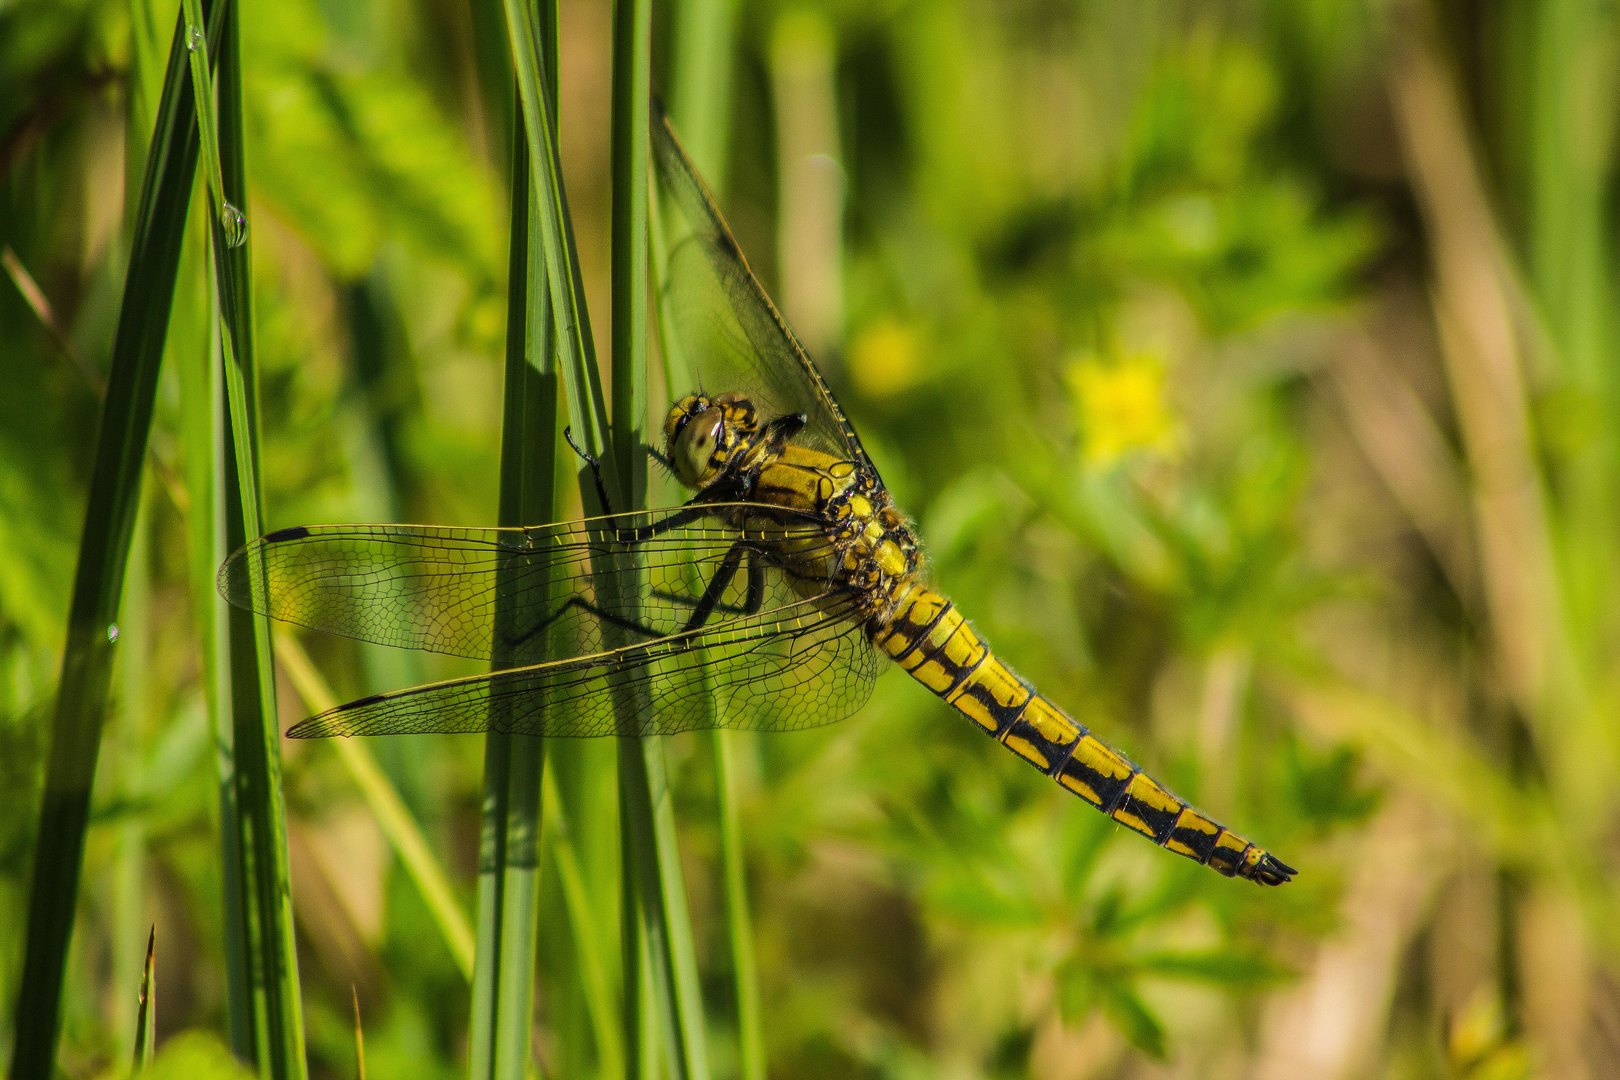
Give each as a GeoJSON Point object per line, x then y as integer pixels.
{"type": "Point", "coordinates": [702, 434]}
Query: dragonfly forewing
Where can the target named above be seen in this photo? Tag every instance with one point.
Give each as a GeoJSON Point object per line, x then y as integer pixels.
{"type": "Point", "coordinates": [519, 596]}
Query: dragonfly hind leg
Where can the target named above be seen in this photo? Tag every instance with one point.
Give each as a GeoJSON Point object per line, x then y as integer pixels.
{"type": "Point", "coordinates": [702, 607]}
{"type": "Point", "coordinates": [707, 604]}
{"type": "Point", "coordinates": [514, 644]}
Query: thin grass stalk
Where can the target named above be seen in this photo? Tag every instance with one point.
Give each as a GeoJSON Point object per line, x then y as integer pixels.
{"type": "Point", "coordinates": [528, 460]}
{"type": "Point", "coordinates": [645, 1012]}
{"type": "Point", "coordinates": [649, 1006]}
{"type": "Point", "coordinates": [129, 846]}
{"type": "Point", "coordinates": [586, 408]}
{"type": "Point", "coordinates": [213, 512]}
{"type": "Point", "coordinates": [104, 546]}
{"type": "Point", "coordinates": [359, 1036]}
{"type": "Point", "coordinates": [146, 1007]}
{"type": "Point", "coordinates": [191, 349]}
{"type": "Point", "coordinates": [269, 944]}
{"type": "Point", "coordinates": [393, 817]}
{"type": "Point", "coordinates": [589, 417]}
{"type": "Point", "coordinates": [583, 856]}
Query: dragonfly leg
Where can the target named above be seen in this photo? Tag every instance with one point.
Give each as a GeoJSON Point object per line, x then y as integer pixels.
{"type": "Point", "coordinates": [710, 600]}
{"type": "Point", "coordinates": [595, 467]}
{"type": "Point", "coordinates": [750, 606]}
{"type": "Point", "coordinates": [586, 606]}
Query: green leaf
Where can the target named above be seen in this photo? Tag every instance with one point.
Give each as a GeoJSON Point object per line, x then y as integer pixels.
{"type": "Point", "coordinates": [1127, 1012]}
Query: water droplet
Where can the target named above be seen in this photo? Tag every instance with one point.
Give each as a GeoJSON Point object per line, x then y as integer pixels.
{"type": "Point", "coordinates": [195, 38]}
{"type": "Point", "coordinates": [234, 224]}
{"type": "Point", "coordinates": [112, 632]}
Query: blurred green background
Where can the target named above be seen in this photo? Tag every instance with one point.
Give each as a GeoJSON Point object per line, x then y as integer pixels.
{"type": "Point", "coordinates": [1249, 368]}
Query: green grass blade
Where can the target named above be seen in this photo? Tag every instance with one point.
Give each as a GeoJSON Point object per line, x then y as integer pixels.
{"type": "Point", "coordinates": [632, 90]}
{"type": "Point", "coordinates": [587, 409]}
{"type": "Point", "coordinates": [509, 867]}
{"type": "Point", "coordinates": [662, 895]}
{"type": "Point", "coordinates": [651, 823]}
{"type": "Point", "coordinates": [700, 84]}
{"type": "Point", "coordinates": [672, 958]}
{"type": "Point", "coordinates": [104, 546]}
{"type": "Point", "coordinates": [130, 841]}
{"type": "Point", "coordinates": [701, 92]}
{"type": "Point", "coordinates": [230, 218]}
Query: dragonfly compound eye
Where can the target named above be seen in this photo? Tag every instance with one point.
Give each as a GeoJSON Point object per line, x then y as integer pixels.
{"type": "Point", "coordinates": [693, 449]}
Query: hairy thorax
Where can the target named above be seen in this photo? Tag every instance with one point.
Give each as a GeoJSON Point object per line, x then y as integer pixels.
{"type": "Point", "coordinates": [867, 545]}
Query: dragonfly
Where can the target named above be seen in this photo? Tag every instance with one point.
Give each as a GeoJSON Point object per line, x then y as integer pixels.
{"type": "Point", "coordinates": [770, 601]}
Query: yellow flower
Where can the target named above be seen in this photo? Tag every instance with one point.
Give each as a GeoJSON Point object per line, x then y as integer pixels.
{"type": "Point", "coordinates": [1121, 407]}
{"type": "Point", "coordinates": [885, 358]}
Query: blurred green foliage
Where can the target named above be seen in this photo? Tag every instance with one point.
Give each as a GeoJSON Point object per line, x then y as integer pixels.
{"type": "Point", "coordinates": [1111, 275]}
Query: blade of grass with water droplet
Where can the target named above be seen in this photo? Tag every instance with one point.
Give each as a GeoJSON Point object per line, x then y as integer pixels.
{"type": "Point", "coordinates": [265, 934]}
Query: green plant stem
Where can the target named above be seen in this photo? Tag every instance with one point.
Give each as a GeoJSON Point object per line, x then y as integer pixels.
{"type": "Point", "coordinates": [587, 410]}
{"type": "Point", "coordinates": [129, 852]}
{"type": "Point", "coordinates": [98, 583]}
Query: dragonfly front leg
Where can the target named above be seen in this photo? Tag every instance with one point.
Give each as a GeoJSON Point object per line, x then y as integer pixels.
{"type": "Point", "coordinates": [685, 516]}
{"type": "Point", "coordinates": [595, 467]}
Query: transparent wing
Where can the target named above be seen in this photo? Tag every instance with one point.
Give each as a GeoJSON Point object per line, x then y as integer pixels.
{"type": "Point", "coordinates": [548, 592]}
{"type": "Point", "coordinates": [730, 333]}
{"type": "Point", "coordinates": [797, 666]}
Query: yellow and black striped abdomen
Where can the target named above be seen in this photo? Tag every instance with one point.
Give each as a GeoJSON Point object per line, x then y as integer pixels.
{"type": "Point", "coordinates": [929, 638]}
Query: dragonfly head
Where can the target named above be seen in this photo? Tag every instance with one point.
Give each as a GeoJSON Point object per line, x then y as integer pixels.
{"type": "Point", "coordinates": [701, 433]}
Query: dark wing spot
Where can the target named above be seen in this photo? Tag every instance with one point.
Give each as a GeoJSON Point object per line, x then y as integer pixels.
{"type": "Point", "coordinates": [281, 536]}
